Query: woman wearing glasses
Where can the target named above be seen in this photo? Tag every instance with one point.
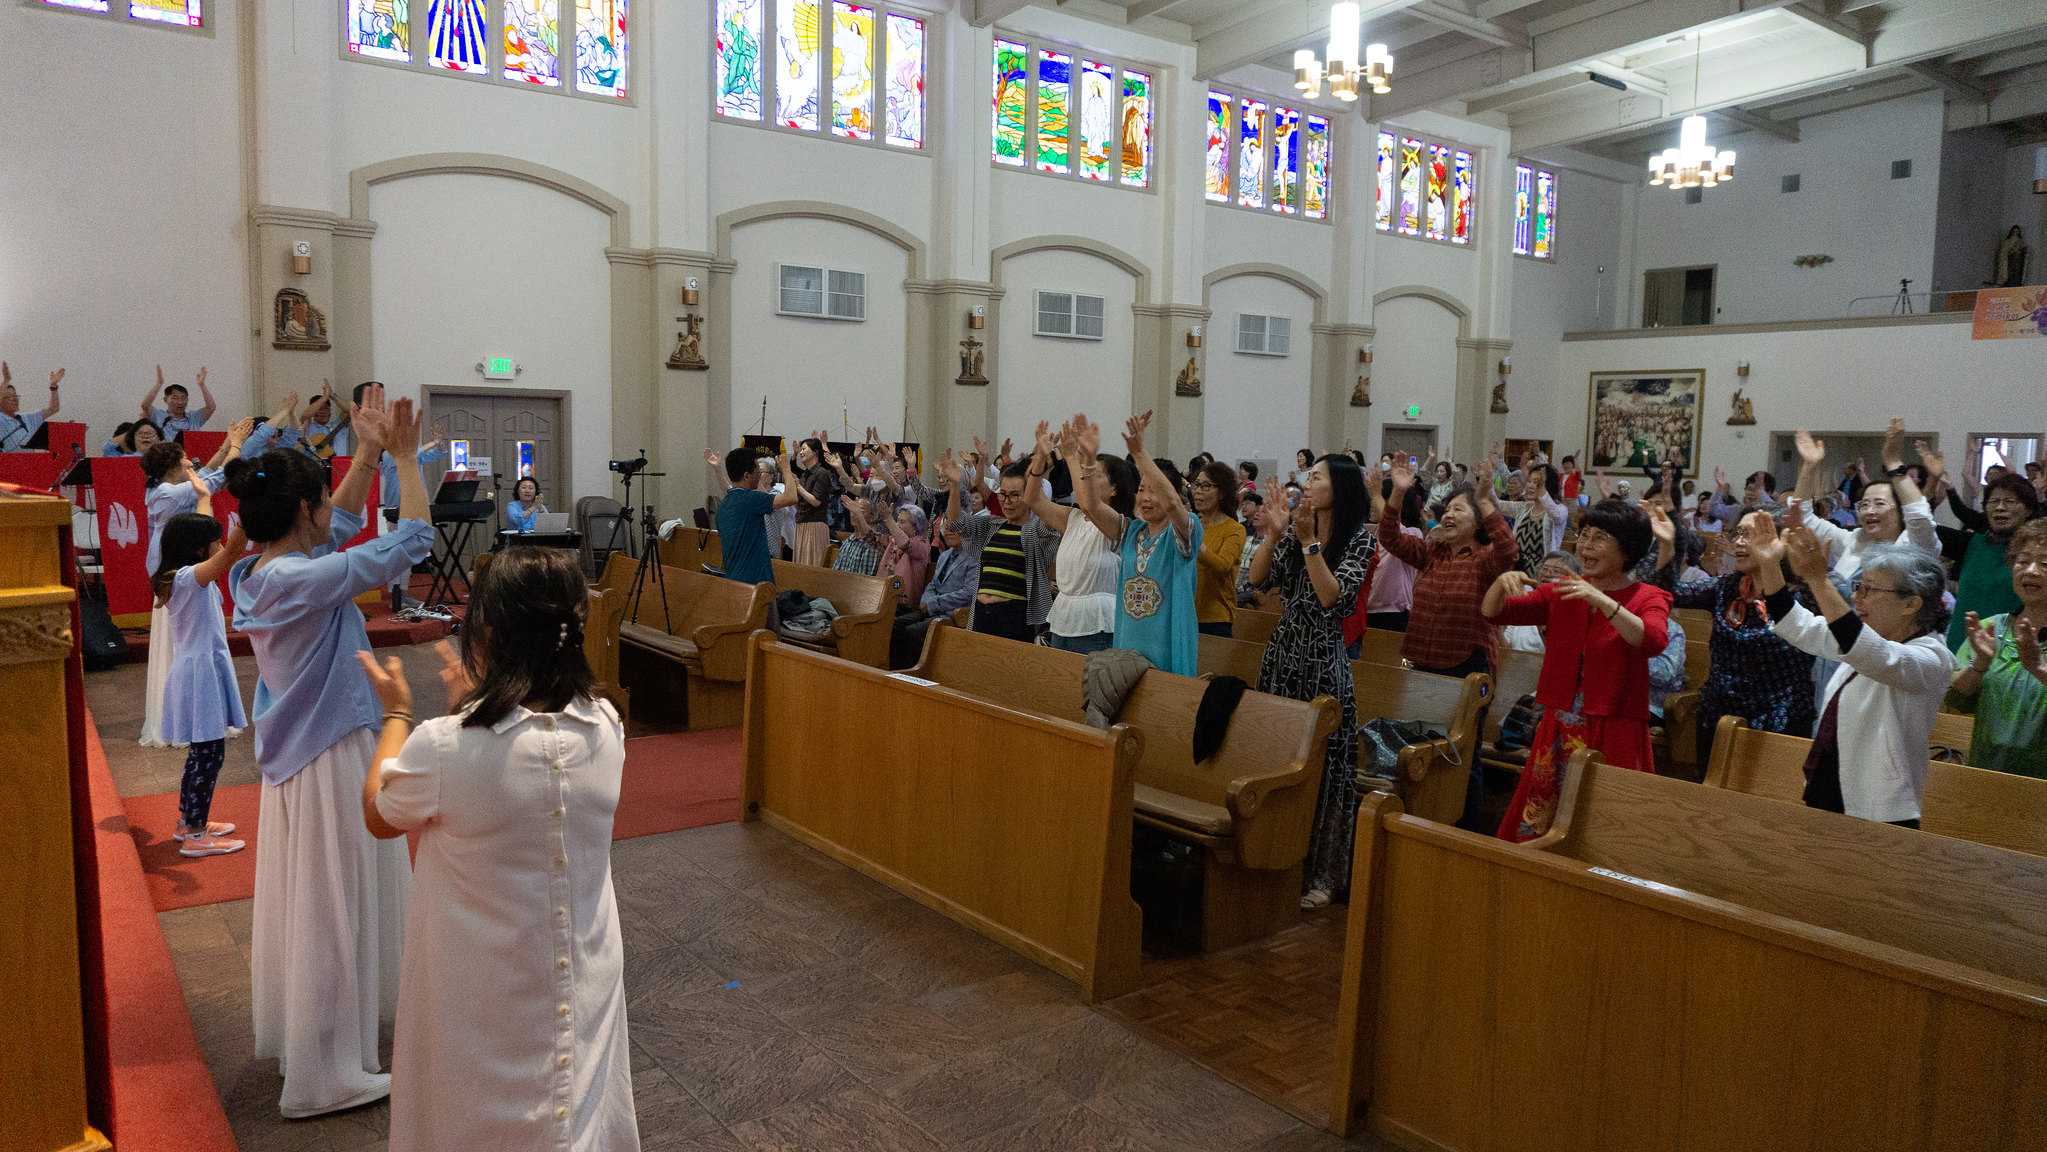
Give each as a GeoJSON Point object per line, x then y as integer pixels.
{"type": "Point", "coordinates": [1891, 511]}
{"type": "Point", "coordinates": [1214, 489]}
{"type": "Point", "coordinates": [1756, 675]}
{"type": "Point", "coordinates": [1982, 577]}
{"type": "Point", "coordinates": [2004, 678]}
{"type": "Point", "coordinates": [1868, 756]}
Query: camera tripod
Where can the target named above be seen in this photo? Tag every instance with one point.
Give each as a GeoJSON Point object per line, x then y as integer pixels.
{"type": "Point", "coordinates": [649, 548]}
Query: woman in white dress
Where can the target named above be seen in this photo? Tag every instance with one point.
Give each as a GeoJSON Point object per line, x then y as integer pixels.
{"type": "Point", "coordinates": [511, 1007]}
{"type": "Point", "coordinates": [330, 901]}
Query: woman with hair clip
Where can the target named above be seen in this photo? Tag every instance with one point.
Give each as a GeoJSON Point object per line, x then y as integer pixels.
{"type": "Point", "coordinates": [330, 901]}
{"type": "Point", "coordinates": [202, 699]}
{"type": "Point", "coordinates": [173, 487]}
{"type": "Point", "coordinates": [511, 1005]}
{"type": "Point", "coordinates": [812, 484]}
{"type": "Point", "coordinates": [1603, 627]}
{"type": "Point", "coordinates": [1319, 557]}
{"type": "Point", "coordinates": [1083, 614]}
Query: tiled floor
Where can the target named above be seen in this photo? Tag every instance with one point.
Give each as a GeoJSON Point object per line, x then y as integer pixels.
{"type": "Point", "coordinates": [779, 1000]}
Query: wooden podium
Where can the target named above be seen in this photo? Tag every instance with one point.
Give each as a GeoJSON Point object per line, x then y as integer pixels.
{"type": "Point", "coordinates": [42, 1071]}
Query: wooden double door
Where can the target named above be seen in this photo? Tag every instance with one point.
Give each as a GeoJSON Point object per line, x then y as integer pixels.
{"type": "Point", "coordinates": [520, 433]}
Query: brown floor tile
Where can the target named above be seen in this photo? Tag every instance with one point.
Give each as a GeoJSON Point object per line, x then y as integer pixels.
{"type": "Point", "coordinates": [654, 978]}
{"type": "Point", "coordinates": [884, 1038]}
{"type": "Point", "coordinates": [1320, 1140]}
{"type": "Point", "coordinates": [768, 1074]}
{"type": "Point", "coordinates": [1010, 1005]}
{"type": "Point", "coordinates": [667, 1113]}
{"type": "Point", "coordinates": [1064, 1131]}
{"type": "Point", "coordinates": [838, 986]}
{"type": "Point", "coordinates": [700, 1022]}
{"type": "Point", "coordinates": [754, 945]}
{"type": "Point", "coordinates": [852, 1121]}
{"type": "Point", "coordinates": [1090, 1055]}
{"type": "Point", "coordinates": [1188, 1108]}
{"type": "Point", "coordinates": [958, 1100]}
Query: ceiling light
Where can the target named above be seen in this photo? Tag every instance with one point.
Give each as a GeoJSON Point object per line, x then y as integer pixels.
{"type": "Point", "coordinates": [1344, 69]}
{"type": "Point", "coordinates": [1694, 163]}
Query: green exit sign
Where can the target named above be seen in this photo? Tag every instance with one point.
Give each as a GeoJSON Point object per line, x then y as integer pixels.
{"type": "Point", "coordinates": [499, 368]}
{"type": "Point", "coordinates": [1414, 411]}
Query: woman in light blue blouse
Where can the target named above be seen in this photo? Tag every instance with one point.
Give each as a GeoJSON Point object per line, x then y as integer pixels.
{"type": "Point", "coordinates": [330, 900]}
{"type": "Point", "coordinates": [525, 505]}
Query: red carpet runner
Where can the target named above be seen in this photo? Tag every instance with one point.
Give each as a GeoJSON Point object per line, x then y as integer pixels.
{"type": "Point", "coordinates": [684, 780]}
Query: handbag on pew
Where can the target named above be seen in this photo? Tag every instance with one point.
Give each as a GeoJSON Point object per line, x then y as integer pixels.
{"type": "Point", "coordinates": [1382, 739]}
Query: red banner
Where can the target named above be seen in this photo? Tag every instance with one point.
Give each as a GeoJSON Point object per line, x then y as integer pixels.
{"type": "Point", "coordinates": [201, 445]}
{"type": "Point", "coordinates": [124, 533]}
{"type": "Point", "coordinates": [67, 442]}
{"type": "Point", "coordinates": [369, 528]}
{"type": "Point", "coordinates": [36, 471]}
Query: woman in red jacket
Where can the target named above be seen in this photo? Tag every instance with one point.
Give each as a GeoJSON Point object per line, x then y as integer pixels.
{"type": "Point", "coordinates": [1603, 627]}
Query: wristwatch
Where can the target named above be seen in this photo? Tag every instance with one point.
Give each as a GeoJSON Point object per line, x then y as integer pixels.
{"type": "Point", "coordinates": [1313, 549]}
{"type": "Point", "coordinates": [1894, 473]}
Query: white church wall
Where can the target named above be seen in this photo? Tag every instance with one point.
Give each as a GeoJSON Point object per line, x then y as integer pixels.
{"type": "Point", "coordinates": [1256, 407]}
{"type": "Point", "coordinates": [817, 373]}
{"type": "Point", "coordinates": [451, 284]}
{"type": "Point", "coordinates": [1234, 237]}
{"type": "Point", "coordinates": [122, 221]}
{"type": "Point", "coordinates": [1564, 294]}
{"type": "Point", "coordinates": [1049, 377]}
{"type": "Point", "coordinates": [757, 166]}
{"type": "Point", "coordinates": [1414, 363]}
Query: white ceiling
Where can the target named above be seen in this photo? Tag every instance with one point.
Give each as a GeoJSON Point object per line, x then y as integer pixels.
{"type": "Point", "coordinates": [1528, 65]}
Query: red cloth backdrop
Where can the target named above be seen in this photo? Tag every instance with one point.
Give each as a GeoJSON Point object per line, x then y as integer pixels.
{"type": "Point", "coordinates": [369, 529]}
{"type": "Point", "coordinates": [36, 471]}
{"type": "Point", "coordinates": [201, 445]}
{"type": "Point", "coordinates": [67, 442]}
{"type": "Point", "coordinates": [124, 533]}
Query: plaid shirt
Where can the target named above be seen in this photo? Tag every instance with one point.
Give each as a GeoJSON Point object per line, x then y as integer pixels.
{"type": "Point", "coordinates": [1039, 543]}
{"type": "Point", "coordinates": [1444, 626]}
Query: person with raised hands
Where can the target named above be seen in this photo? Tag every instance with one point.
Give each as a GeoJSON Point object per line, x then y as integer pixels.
{"type": "Point", "coordinates": [15, 426]}
{"type": "Point", "coordinates": [1868, 755]}
{"type": "Point", "coordinates": [1011, 546]}
{"type": "Point", "coordinates": [1088, 563]}
{"type": "Point", "coordinates": [1212, 492]}
{"type": "Point", "coordinates": [2004, 680]}
{"type": "Point", "coordinates": [1602, 628]}
{"type": "Point", "coordinates": [1318, 557]}
{"type": "Point", "coordinates": [1977, 548]}
{"type": "Point", "coordinates": [330, 901]}
{"type": "Point", "coordinates": [1155, 608]}
{"type": "Point", "coordinates": [1470, 546]}
{"type": "Point", "coordinates": [1890, 511]}
{"type": "Point", "coordinates": [175, 417]}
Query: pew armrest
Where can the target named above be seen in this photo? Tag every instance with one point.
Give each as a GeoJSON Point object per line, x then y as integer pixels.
{"type": "Point", "coordinates": [724, 646]}
{"type": "Point", "coordinates": [1248, 794]}
{"type": "Point", "coordinates": [1681, 728]}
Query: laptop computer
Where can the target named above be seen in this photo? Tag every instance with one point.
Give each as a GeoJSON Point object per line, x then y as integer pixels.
{"type": "Point", "coordinates": [550, 522]}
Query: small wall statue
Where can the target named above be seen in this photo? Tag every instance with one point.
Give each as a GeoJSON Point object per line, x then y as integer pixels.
{"type": "Point", "coordinates": [1188, 382]}
{"type": "Point", "coordinates": [1500, 397]}
{"type": "Point", "coordinates": [973, 367]}
{"type": "Point", "coordinates": [689, 346]}
{"type": "Point", "coordinates": [1744, 410]}
{"type": "Point", "coordinates": [2009, 269]}
{"type": "Point", "coordinates": [299, 326]}
{"type": "Point", "coordinates": [1361, 396]}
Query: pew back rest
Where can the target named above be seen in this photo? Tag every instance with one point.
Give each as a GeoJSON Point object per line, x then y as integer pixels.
{"type": "Point", "coordinates": [1381, 647]}
{"type": "Point", "coordinates": [1698, 626]}
{"type": "Point", "coordinates": [850, 592]}
{"type": "Point", "coordinates": [1969, 904]}
{"type": "Point", "coordinates": [1254, 624]}
{"type": "Point", "coordinates": [1024, 677]}
{"type": "Point", "coordinates": [1952, 733]}
{"type": "Point", "coordinates": [691, 548]}
{"type": "Point", "coordinates": [600, 633]}
{"type": "Point", "coordinates": [701, 609]}
{"type": "Point", "coordinates": [1223, 656]}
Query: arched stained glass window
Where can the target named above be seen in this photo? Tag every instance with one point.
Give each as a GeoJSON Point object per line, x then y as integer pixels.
{"type": "Point", "coordinates": [837, 68]}
{"type": "Point", "coordinates": [579, 47]}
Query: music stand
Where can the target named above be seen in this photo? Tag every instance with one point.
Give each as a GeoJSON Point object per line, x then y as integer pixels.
{"type": "Point", "coordinates": [453, 534]}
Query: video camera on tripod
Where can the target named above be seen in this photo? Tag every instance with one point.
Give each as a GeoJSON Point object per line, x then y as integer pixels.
{"type": "Point", "coordinates": [628, 471]}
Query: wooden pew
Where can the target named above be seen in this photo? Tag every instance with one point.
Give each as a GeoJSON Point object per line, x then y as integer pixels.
{"type": "Point", "coordinates": [1431, 777]}
{"type": "Point", "coordinates": [600, 647]}
{"type": "Point", "coordinates": [1963, 802]}
{"type": "Point", "coordinates": [1517, 676]}
{"type": "Point", "coordinates": [1678, 967]}
{"type": "Point", "coordinates": [1681, 709]}
{"type": "Point", "coordinates": [1953, 732]}
{"type": "Point", "coordinates": [693, 656]}
{"type": "Point", "coordinates": [1015, 824]}
{"type": "Point", "coordinates": [866, 605]}
{"type": "Point", "coordinates": [1249, 807]}
{"type": "Point", "coordinates": [1254, 625]}
{"type": "Point", "coordinates": [691, 548]}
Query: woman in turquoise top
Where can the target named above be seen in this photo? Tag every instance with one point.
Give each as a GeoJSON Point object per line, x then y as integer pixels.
{"type": "Point", "coordinates": [1155, 595]}
{"type": "Point", "coordinates": [330, 901]}
{"type": "Point", "coordinates": [2003, 678]}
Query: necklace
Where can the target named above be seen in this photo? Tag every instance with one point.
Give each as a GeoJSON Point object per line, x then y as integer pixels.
{"type": "Point", "coordinates": [1142, 596]}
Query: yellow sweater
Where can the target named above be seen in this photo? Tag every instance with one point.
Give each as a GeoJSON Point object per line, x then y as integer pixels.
{"type": "Point", "coordinates": [1215, 577]}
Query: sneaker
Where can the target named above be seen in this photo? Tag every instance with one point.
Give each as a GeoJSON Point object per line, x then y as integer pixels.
{"type": "Point", "coordinates": [214, 828]}
{"type": "Point", "coordinates": [1314, 898]}
{"type": "Point", "coordinates": [209, 845]}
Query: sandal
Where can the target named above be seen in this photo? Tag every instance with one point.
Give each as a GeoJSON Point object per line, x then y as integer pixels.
{"type": "Point", "coordinates": [1314, 898]}
{"type": "Point", "coordinates": [210, 845]}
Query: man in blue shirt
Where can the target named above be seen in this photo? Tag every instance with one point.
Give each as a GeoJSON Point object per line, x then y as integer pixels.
{"type": "Point", "coordinates": [325, 430]}
{"type": "Point", "coordinates": [742, 513]}
{"type": "Point", "coordinates": [16, 428]}
{"type": "Point", "coordinates": [173, 417]}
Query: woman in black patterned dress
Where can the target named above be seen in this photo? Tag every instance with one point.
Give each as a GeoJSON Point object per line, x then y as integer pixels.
{"type": "Point", "coordinates": [1319, 556]}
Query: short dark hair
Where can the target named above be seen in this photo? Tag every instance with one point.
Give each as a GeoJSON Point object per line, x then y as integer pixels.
{"type": "Point", "coordinates": [1251, 497]}
{"type": "Point", "coordinates": [527, 611]}
{"type": "Point", "coordinates": [159, 458]}
{"type": "Point", "coordinates": [1123, 485]}
{"type": "Point", "coordinates": [740, 463]}
{"type": "Point", "coordinates": [187, 538]}
{"type": "Point", "coordinates": [125, 434]}
{"type": "Point", "coordinates": [271, 489]}
{"type": "Point", "coordinates": [2017, 486]}
{"type": "Point", "coordinates": [1628, 526]}
{"type": "Point", "coordinates": [180, 389]}
{"type": "Point", "coordinates": [1248, 468]}
{"type": "Point", "coordinates": [364, 387]}
{"type": "Point", "coordinates": [1014, 469]}
{"type": "Point", "coordinates": [1567, 460]}
{"type": "Point", "coordinates": [1769, 480]}
{"type": "Point", "coordinates": [1225, 481]}
{"type": "Point", "coordinates": [1469, 494]}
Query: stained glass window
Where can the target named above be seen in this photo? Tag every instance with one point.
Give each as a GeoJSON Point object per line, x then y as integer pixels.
{"type": "Point", "coordinates": [1011, 80]}
{"type": "Point", "coordinates": [905, 122]}
{"type": "Point", "coordinates": [376, 28]}
{"type": "Point", "coordinates": [1097, 118]}
{"type": "Point", "coordinates": [1545, 214]}
{"type": "Point", "coordinates": [185, 12]}
{"type": "Point", "coordinates": [532, 31]}
{"type": "Point", "coordinates": [1461, 200]}
{"type": "Point", "coordinates": [852, 71]}
{"type": "Point", "coordinates": [81, 5]}
{"type": "Point", "coordinates": [1524, 195]}
{"type": "Point", "coordinates": [1388, 171]}
{"type": "Point", "coordinates": [1315, 169]}
{"type": "Point", "coordinates": [739, 59]}
{"type": "Point", "coordinates": [457, 36]}
{"type": "Point", "coordinates": [1286, 160]}
{"type": "Point", "coordinates": [1410, 186]}
{"type": "Point", "coordinates": [799, 48]}
{"type": "Point", "coordinates": [1251, 153]}
{"type": "Point", "coordinates": [1438, 182]}
{"type": "Point", "coordinates": [1137, 129]}
{"type": "Point", "coordinates": [1055, 95]}
{"type": "Point", "coordinates": [601, 47]}
{"type": "Point", "coordinates": [1219, 105]}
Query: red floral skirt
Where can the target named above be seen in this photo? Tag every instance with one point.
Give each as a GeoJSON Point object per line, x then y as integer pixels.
{"type": "Point", "coordinates": [1559, 735]}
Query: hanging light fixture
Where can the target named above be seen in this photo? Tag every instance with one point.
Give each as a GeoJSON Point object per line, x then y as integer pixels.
{"type": "Point", "coordinates": [1344, 69]}
{"type": "Point", "coordinates": [1693, 163]}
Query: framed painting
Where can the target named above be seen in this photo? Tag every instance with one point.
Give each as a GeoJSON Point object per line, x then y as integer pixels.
{"type": "Point", "coordinates": [1643, 419]}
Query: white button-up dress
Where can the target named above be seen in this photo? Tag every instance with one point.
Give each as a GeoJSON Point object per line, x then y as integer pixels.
{"type": "Point", "coordinates": [511, 1031]}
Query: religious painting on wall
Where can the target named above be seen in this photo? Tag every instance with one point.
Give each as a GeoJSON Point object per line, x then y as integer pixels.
{"type": "Point", "coordinates": [1645, 419]}
{"type": "Point", "coordinates": [299, 325]}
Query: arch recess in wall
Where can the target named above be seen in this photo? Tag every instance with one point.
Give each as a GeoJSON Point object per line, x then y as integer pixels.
{"type": "Point", "coordinates": [1080, 244]}
{"type": "Point", "coordinates": [1450, 303]}
{"type": "Point", "coordinates": [363, 179]}
{"type": "Point", "coordinates": [1278, 272]}
{"type": "Point", "coordinates": [820, 210]}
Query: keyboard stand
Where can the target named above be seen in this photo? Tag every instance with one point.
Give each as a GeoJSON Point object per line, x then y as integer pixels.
{"type": "Point", "coordinates": [447, 561]}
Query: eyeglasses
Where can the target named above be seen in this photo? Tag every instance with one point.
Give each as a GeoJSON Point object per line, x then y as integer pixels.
{"type": "Point", "coordinates": [1859, 587]}
{"type": "Point", "coordinates": [1200, 485]}
{"type": "Point", "coordinates": [2007, 502]}
{"type": "Point", "coordinates": [1873, 505]}
{"type": "Point", "coordinates": [1593, 536]}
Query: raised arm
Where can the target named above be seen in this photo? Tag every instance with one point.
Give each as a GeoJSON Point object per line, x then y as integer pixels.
{"type": "Point", "coordinates": [287, 413]}
{"type": "Point", "coordinates": [370, 427]}
{"type": "Point", "coordinates": [150, 394]}
{"type": "Point", "coordinates": [1148, 469]}
{"type": "Point", "coordinates": [1273, 517]}
{"type": "Point", "coordinates": [1412, 551]}
{"type": "Point", "coordinates": [1904, 489]}
{"type": "Point", "coordinates": [205, 412]}
{"type": "Point", "coordinates": [237, 434]}
{"type": "Point", "coordinates": [717, 464]}
{"type": "Point", "coordinates": [1086, 438]}
{"type": "Point", "coordinates": [1053, 513]}
{"type": "Point", "coordinates": [1811, 454]}
{"type": "Point", "coordinates": [215, 566]}
{"type": "Point", "coordinates": [50, 411]}
{"type": "Point", "coordinates": [791, 487]}
{"type": "Point", "coordinates": [401, 440]}
{"type": "Point", "coordinates": [949, 478]}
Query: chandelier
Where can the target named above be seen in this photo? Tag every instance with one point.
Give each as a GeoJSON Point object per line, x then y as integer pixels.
{"type": "Point", "coordinates": [1693, 163]}
{"type": "Point", "coordinates": [1344, 69]}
